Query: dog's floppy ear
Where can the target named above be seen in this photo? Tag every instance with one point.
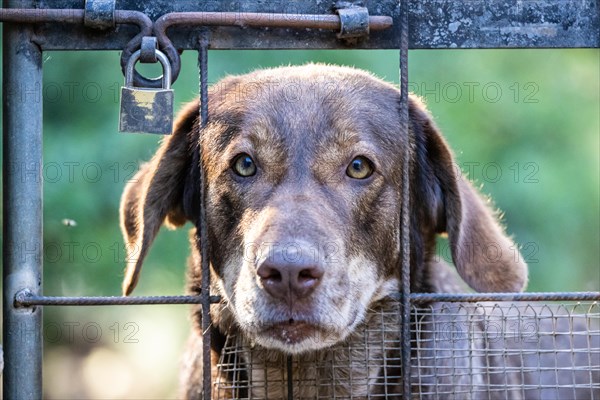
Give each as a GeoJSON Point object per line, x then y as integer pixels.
{"type": "Point", "coordinates": [484, 256]}
{"type": "Point", "coordinates": [156, 193]}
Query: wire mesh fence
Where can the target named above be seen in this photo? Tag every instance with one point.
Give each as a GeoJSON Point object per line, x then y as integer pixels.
{"type": "Point", "coordinates": [503, 350]}
{"type": "Point", "coordinates": [480, 350]}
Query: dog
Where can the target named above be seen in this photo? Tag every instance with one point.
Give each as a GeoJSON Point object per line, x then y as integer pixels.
{"type": "Point", "coordinates": [303, 183]}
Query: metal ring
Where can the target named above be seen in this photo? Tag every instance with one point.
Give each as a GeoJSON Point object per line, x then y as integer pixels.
{"type": "Point", "coordinates": [165, 78]}
{"type": "Point", "coordinates": [141, 81]}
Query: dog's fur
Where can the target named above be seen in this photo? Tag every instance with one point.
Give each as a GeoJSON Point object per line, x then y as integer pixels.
{"type": "Point", "coordinates": [303, 126]}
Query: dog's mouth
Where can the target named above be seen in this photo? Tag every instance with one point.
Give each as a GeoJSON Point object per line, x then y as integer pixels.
{"type": "Point", "coordinates": [291, 332]}
{"type": "Point", "coordinates": [296, 335]}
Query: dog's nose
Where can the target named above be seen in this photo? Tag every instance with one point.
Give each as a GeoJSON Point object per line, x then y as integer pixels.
{"type": "Point", "coordinates": [289, 280]}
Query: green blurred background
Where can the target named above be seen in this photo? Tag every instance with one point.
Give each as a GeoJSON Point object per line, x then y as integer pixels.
{"type": "Point", "coordinates": [525, 125]}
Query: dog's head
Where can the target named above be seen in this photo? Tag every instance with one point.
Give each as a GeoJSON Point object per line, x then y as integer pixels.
{"type": "Point", "coordinates": [303, 181]}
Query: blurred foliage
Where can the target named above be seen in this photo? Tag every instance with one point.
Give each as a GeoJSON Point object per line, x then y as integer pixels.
{"type": "Point", "coordinates": [525, 125]}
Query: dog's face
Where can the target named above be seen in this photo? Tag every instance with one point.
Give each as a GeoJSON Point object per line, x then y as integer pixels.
{"type": "Point", "coordinates": [298, 194]}
{"type": "Point", "coordinates": [303, 178]}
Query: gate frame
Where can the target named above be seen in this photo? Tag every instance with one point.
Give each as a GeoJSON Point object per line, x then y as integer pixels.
{"type": "Point", "coordinates": [23, 46]}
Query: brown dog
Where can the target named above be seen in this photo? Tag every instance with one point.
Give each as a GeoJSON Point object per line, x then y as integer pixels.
{"type": "Point", "coordinates": [303, 174]}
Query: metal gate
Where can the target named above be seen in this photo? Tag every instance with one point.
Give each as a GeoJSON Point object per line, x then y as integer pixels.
{"type": "Point", "coordinates": [35, 26]}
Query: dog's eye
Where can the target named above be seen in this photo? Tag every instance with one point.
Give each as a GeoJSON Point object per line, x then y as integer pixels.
{"type": "Point", "coordinates": [360, 168]}
{"type": "Point", "coordinates": [244, 165]}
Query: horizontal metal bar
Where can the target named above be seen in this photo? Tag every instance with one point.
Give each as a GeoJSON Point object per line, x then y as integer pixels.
{"type": "Point", "coordinates": [27, 299]}
{"type": "Point", "coordinates": [474, 297]}
{"type": "Point", "coordinates": [75, 17]}
{"type": "Point", "coordinates": [433, 24]}
{"type": "Point", "coordinates": [262, 20]}
{"type": "Point", "coordinates": [70, 16]}
{"type": "Point", "coordinates": [197, 19]}
{"type": "Point", "coordinates": [242, 20]}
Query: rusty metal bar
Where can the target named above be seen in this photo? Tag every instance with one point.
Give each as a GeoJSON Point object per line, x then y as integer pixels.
{"type": "Point", "coordinates": [474, 297]}
{"type": "Point", "coordinates": [405, 239]}
{"type": "Point", "coordinates": [77, 17]}
{"type": "Point", "coordinates": [71, 16]}
{"type": "Point", "coordinates": [290, 377]}
{"type": "Point", "coordinates": [198, 19]}
{"type": "Point", "coordinates": [261, 20]}
{"type": "Point", "coordinates": [256, 20]}
{"type": "Point", "coordinates": [201, 228]}
{"type": "Point", "coordinates": [26, 298]}
{"type": "Point", "coordinates": [242, 20]}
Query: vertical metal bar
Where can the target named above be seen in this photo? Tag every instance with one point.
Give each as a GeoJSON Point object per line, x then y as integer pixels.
{"type": "Point", "coordinates": [290, 378]}
{"type": "Point", "coordinates": [22, 208]}
{"type": "Point", "coordinates": [203, 62]}
{"type": "Point", "coordinates": [405, 223]}
{"type": "Point", "coordinates": [206, 320]}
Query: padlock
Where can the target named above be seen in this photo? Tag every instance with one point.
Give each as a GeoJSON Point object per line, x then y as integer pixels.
{"type": "Point", "coordinates": [146, 109]}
